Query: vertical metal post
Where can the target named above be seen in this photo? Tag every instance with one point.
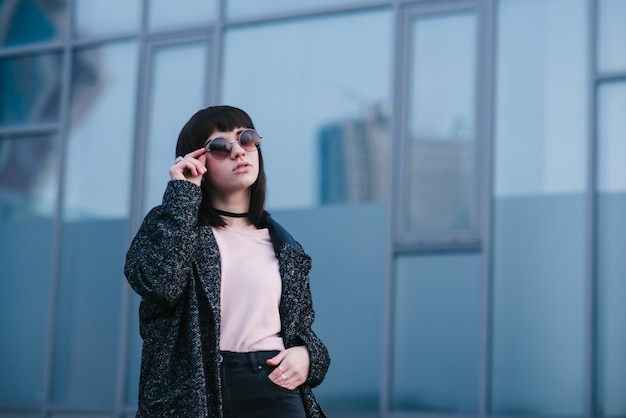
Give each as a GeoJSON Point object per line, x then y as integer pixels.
{"type": "Point", "coordinates": [57, 240]}
{"type": "Point", "coordinates": [487, 60]}
{"type": "Point", "coordinates": [393, 173]}
{"type": "Point", "coordinates": [591, 316]}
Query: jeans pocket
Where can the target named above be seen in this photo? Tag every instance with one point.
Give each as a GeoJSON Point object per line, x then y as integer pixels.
{"type": "Point", "coordinates": [265, 374]}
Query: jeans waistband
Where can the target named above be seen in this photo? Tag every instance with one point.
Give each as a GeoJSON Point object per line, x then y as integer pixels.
{"type": "Point", "coordinates": [254, 359]}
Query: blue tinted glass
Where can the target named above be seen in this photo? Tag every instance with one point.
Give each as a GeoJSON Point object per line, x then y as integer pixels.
{"type": "Point", "coordinates": [437, 334]}
{"type": "Point", "coordinates": [440, 164]}
{"type": "Point", "coordinates": [88, 332]}
{"type": "Point", "coordinates": [96, 207]}
{"type": "Point", "coordinates": [105, 17]}
{"type": "Point", "coordinates": [100, 141]}
{"type": "Point", "coordinates": [28, 188]}
{"type": "Point", "coordinates": [347, 283]}
{"type": "Point", "coordinates": [539, 306]}
{"type": "Point", "coordinates": [31, 21]}
{"type": "Point", "coordinates": [237, 9]}
{"type": "Point", "coordinates": [540, 252]}
{"type": "Point", "coordinates": [611, 200]}
{"type": "Point", "coordinates": [542, 116]}
{"type": "Point", "coordinates": [611, 35]}
{"type": "Point", "coordinates": [177, 90]}
{"type": "Point", "coordinates": [320, 101]}
{"type": "Point", "coordinates": [611, 138]}
{"type": "Point", "coordinates": [30, 89]}
{"type": "Point", "coordinates": [164, 14]}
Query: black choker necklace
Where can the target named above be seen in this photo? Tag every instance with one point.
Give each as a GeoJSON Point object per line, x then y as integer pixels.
{"type": "Point", "coordinates": [231, 214]}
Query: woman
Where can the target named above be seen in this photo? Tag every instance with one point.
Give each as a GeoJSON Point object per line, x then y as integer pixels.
{"type": "Point", "coordinates": [226, 308]}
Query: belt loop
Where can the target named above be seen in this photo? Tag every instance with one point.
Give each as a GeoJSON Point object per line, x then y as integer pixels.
{"type": "Point", "coordinates": [254, 363]}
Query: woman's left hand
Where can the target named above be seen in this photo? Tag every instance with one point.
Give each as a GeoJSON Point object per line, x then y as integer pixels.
{"type": "Point", "coordinates": [293, 367]}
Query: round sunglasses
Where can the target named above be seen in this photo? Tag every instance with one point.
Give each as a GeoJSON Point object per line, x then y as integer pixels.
{"type": "Point", "coordinates": [220, 148]}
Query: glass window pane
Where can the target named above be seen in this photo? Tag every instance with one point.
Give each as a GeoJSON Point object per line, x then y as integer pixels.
{"type": "Point", "coordinates": [104, 17]}
{"type": "Point", "coordinates": [611, 201]}
{"type": "Point", "coordinates": [31, 21]}
{"type": "Point", "coordinates": [29, 174]}
{"type": "Point", "coordinates": [321, 103]}
{"type": "Point", "coordinates": [611, 35]}
{"type": "Point", "coordinates": [177, 90]}
{"type": "Point", "coordinates": [540, 247]}
{"type": "Point", "coordinates": [437, 334]}
{"type": "Point", "coordinates": [542, 115]}
{"type": "Point", "coordinates": [238, 9]}
{"type": "Point", "coordinates": [166, 14]}
{"type": "Point", "coordinates": [96, 207]}
{"type": "Point", "coordinates": [440, 170]}
{"type": "Point", "coordinates": [100, 143]}
{"type": "Point", "coordinates": [612, 138]}
{"type": "Point", "coordinates": [30, 89]}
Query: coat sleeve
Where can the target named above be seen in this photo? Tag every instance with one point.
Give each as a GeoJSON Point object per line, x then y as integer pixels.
{"type": "Point", "coordinates": [298, 261]}
{"type": "Point", "coordinates": [159, 259]}
{"type": "Point", "coordinates": [318, 353]}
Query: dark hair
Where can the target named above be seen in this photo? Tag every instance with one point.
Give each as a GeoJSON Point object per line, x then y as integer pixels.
{"type": "Point", "coordinates": [194, 135]}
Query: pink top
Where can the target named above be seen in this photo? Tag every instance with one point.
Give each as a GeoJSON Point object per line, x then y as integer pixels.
{"type": "Point", "coordinates": [250, 291]}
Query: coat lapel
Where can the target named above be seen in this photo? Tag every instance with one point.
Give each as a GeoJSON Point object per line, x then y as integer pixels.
{"type": "Point", "coordinates": [209, 268]}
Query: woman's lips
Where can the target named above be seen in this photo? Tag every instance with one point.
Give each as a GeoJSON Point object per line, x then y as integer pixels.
{"type": "Point", "coordinates": [241, 168]}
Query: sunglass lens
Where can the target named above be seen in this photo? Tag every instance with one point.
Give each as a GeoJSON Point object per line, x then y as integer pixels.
{"type": "Point", "coordinates": [220, 148]}
{"type": "Point", "coordinates": [249, 140]}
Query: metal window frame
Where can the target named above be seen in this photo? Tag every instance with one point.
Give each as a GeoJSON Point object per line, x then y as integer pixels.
{"type": "Point", "coordinates": [444, 240]}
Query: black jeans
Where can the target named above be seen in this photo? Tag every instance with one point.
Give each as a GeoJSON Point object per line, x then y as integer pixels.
{"type": "Point", "coordinates": [249, 393]}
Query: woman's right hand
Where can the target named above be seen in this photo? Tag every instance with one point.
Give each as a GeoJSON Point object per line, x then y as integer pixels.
{"type": "Point", "coordinates": [191, 167]}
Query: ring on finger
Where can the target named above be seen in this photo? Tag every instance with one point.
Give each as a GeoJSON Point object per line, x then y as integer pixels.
{"type": "Point", "coordinates": [283, 376]}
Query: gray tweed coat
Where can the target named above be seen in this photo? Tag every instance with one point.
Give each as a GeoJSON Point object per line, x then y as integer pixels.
{"type": "Point", "coordinates": [174, 265]}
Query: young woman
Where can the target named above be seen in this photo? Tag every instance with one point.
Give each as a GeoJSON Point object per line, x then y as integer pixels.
{"type": "Point", "coordinates": [226, 308]}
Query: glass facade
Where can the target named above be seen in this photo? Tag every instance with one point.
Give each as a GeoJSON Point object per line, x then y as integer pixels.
{"type": "Point", "coordinates": [455, 168]}
{"type": "Point", "coordinates": [539, 202]}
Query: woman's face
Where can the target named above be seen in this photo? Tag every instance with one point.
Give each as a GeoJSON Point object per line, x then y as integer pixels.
{"type": "Point", "coordinates": [238, 171]}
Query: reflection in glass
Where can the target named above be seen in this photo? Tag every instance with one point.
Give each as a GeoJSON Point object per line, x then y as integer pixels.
{"type": "Point", "coordinates": [96, 206]}
{"type": "Point", "coordinates": [100, 142]}
{"type": "Point", "coordinates": [539, 268]}
{"type": "Point", "coordinates": [238, 9]}
{"type": "Point", "coordinates": [321, 102]}
{"type": "Point", "coordinates": [165, 14]}
{"type": "Point", "coordinates": [611, 35]}
{"type": "Point", "coordinates": [542, 102]}
{"type": "Point", "coordinates": [28, 186]}
{"type": "Point", "coordinates": [177, 91]}
{"type": "Point", "coordinates": [353, 158]}
{"type": "Point", "coordinates": [103, 17]}
{"type": "Point", "coordinates": [29, 168]}
{"type": "Point", "coordinates": [612, 138]}
{"type": "Point", "coordinates": [30, 89]}
{"type": "Point", "coordinates": [440, 162]}
{"type": "Point", "coordinates": [436, 347]}
{"type": "Point", "coordinates": [30, 21]}
{"type": "Point", "coordinates": [611, 270]}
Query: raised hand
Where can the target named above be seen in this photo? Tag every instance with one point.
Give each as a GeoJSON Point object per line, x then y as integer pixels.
{"type": "Point", "coordinates": [191, 167]}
